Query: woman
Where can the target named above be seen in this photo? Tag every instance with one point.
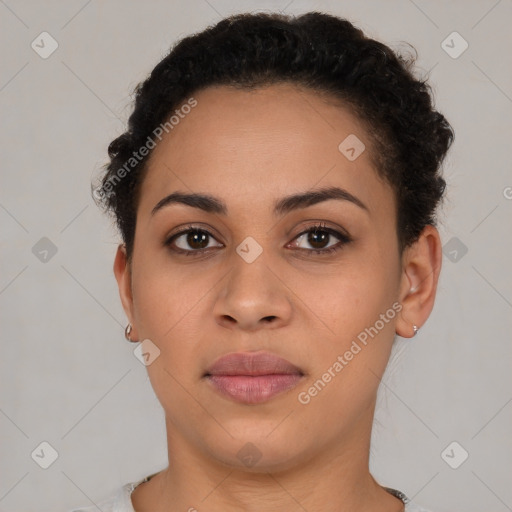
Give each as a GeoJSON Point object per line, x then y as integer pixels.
{"type": "Point", "coordinates": [276, 193]}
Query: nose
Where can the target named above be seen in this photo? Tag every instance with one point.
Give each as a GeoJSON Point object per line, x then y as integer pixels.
{"type": "Point", "coordinates": [252, 297]}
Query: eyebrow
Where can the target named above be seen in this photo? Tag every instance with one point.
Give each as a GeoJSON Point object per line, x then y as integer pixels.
{"type": "Point", "coordinates": [211, 204]}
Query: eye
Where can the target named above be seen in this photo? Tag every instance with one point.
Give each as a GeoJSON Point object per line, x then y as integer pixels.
{"type": "Point", "coordinates": [195, 241]}
{"type": "Point", "coordinates": [192, 240]}
{"type": "Point", "coordinates": [320, 239]}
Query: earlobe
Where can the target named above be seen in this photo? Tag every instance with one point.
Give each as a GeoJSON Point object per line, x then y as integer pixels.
{"type": "Point", "coordinates": [421, 266]}
{"type": "Point", "coordinates": [122, 271]}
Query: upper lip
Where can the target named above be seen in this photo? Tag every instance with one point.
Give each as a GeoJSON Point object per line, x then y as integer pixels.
{"type": "Point", "coordinates": [252, 364]}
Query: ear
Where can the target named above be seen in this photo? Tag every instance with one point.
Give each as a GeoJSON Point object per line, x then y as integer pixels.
{"type": "Point", "coordinates": [122, 271]}
{"type": "Point", "coordinates": [421, 266]}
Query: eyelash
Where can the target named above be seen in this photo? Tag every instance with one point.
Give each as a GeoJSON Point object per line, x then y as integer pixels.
{"type": "Point", "coordinates": [343, 240]}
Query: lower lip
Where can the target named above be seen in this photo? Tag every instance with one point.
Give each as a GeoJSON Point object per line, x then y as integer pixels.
{"type": "Point", "coordinates": [253, 390]}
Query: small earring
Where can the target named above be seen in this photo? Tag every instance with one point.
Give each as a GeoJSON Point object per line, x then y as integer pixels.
{"type": "Point", "coordinates": [127, 333]}
{"type": "Point", "coordinates": [415, 329]}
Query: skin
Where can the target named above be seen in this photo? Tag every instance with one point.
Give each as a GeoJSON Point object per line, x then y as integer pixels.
{"type": "Point", "coordinates": [249, 149]}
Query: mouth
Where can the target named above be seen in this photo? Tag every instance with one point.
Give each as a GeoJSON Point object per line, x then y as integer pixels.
{"type": "Point", "coordinates": [252, 377]}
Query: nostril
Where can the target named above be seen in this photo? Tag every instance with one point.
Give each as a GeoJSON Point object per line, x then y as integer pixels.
{"type": "Point", "coordinates": [269, 318]}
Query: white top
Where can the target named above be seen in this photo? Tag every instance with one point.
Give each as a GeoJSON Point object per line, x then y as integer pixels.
{"type": "Point", "coordinates": [122, 501]}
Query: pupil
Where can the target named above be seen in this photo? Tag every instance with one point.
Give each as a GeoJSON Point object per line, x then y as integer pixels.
{"type": "Point", "coordinates": [318, 238]}
{"type": "Point", "coordinates": [197, 237]}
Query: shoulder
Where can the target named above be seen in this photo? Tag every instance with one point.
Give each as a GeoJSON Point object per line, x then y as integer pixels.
{"type": "Point", "coordinates": [119, 502]}
{"type": "Point", "coordinates": [412, 507]}
{"type": "Point", "coordinates": [105, 506]}
{"type": "Point", "coordinates": [409, 505]}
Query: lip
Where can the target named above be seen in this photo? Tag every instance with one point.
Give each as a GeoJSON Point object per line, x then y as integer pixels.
{"type": "Point", "coordinates": [252, 377]}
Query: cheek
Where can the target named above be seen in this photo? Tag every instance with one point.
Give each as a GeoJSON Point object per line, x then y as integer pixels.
{"type": "Point", "coordinates": [349, 360]}
{"type": "Point", "coordinates": [350, 297]}
{"type": "Point", "coordinates": [167, 311]}
{"type": "Point", "coordinates": [355, 313]}
{"type": "Point", "coordinates": [167, 296]}
{"type": "Point", "coordinates": [173, 304]}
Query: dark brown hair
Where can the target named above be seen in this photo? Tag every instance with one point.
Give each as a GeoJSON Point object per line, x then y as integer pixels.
{"type": "Point", "coordinates": [318, 51]}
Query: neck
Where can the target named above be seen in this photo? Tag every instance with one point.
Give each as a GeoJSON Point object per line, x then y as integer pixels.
{"type": "Point", "coordinates": [335, 479]}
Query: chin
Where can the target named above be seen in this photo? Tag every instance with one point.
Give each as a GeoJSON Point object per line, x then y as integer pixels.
{"type": "Point", "coordinates": [260, 450]}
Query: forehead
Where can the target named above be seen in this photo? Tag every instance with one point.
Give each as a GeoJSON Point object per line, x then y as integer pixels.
{"type": "Point", "coordinates": [262, 143]}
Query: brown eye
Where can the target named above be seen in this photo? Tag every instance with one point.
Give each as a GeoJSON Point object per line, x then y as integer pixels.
{"type": "Point", "coordinates": [321, 240]}
{"type": "Point", "coordinates": [197, 239]}
{"type": "Point", "coordinates": [318, 238]}
{"type": "Point", "coordinates": [192, 240]}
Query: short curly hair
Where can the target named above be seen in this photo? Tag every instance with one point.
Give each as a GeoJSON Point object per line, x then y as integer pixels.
{"type": "Point", "coordinates": [321, 52]}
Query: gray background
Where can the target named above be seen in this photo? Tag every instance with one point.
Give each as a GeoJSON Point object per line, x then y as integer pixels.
{"type": "Point", "coordinates": [68, 376]}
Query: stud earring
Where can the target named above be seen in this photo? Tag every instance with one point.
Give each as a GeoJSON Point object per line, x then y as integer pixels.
{"type": "Point", "coordinates": [415, 329]}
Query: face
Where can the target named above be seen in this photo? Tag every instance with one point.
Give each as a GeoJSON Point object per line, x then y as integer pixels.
{"type": "Point", "coordinates": [304, 291]}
